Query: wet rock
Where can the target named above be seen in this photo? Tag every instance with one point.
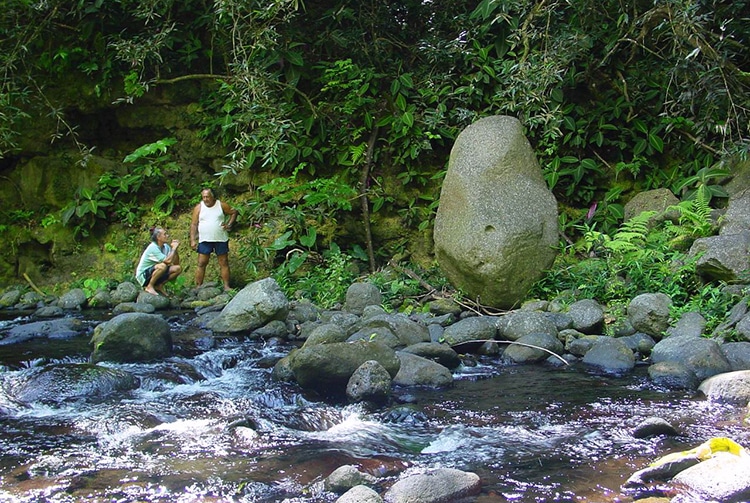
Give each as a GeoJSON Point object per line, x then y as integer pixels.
{"type": "Point", "coordinates": [690, 324]}
{"type": "Point", "coordinates": [10, 298]}
{"type": "Point", "coordinates": [673, 375]}
{"type": "Point", "coordinates": [252, 307]}
{"type": "Point", "coordinates": [702, 356]}
{"type": "Point", "coordinates": [346, 477]}
{"type": "Point", "coordinates": [53, 384]}
{"type": "Point", "coordinates": [361, 295]}
{"type": "Point", "coordinates": [134, 307]}
{"type": "Point", "coordinates": [610, 355]}
{"type": "Point", "coordinates": [125, 292]}
{"type": "Point", "coordinates": [328, 367]}
{"type": "Point", "coordinates": [101, 299]}
{"type": "Point", "coordinates": [587, 316]}
{"type": "Point", "coordinates": [730, 387]}
{"type": "Point", "coordinates": [738, 354]}
{"type": "Point", "coordinates": [62, 328]}
{"type": "Point", "coordinates": [371, 382]}
{"type": "Point", "coordinates": [360, 494]}
{"type": "Point", "coordinates": [132, 337]}
{"type": "Point", "coordinates": [639, 342]}
{"type": "Point", "coordinates": [418, 371]}
{"type": "Point", "coordinates": [405, 330]}
{"type": "Point", "coordinates": [72, 299]}
{"type": "Point", "coordinates": [302, 311]}
{"type": "Point", "coordinates": [522, 352]}
{"type": "Point", "coordinates": [649, 313]}
{"type": "Point", "coordinates": [444, 306]}
{"type": "Point", "coordinates": [159, 302]}
{"type": "Point", "coordinates": [477, 328]}
{"type": "Point", "coordinates": [274, 328]}
{"type": "Point", "coordinates": [49, 312]}
{"type": "Point", "coordinates": [437, 352]}
{"type": "Point", "coordinates": [516, 324]}
{"type": "Point", "coordinates": [326, 333]}
{"type": "Point", "coordinates": [435, 486]}
{"type": "Point", "coordinates": [723, 477]}
{"type": "Point", "coordinates": [654, 426]}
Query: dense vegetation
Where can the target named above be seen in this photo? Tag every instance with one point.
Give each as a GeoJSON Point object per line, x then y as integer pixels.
{"type": "Point", "coordinates": [340, 101]}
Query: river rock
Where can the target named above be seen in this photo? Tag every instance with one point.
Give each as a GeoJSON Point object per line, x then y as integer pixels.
{"type": "Point", "coordinates": [743, 327]}
{"type": "Point", "coordinates": [360, 494]}
{"type": "Point", "coordinates": [639, 343]}
{"type": "Point", "coordinates": [649, 313]}
{"type": "Point", "coordinates": [328, 367]}
{"type": "Point", "coordinates": [361, 295]}
{"type": "Point", "coordinates": [723, 257]}
{"type": "Point", "coordinates": [610, 355]}
{"type": "Point", "coordinates": [702, 356]}
{"type": "Point", "coordinates": [10, 298]}
{"type": "Point", "coordinates": [124, 292]}
{"type": "Point", "coordinates": [252, 307]}
{"type": "Point", "coordinates": [132, 337]}
{"type": "Point", "coordinates": [690, 324]}
{"type": "Point", "coordinates": [475, 328]}
{"type": "Point", "coordinates": [158, 301]}
{"type": "Point", "coordinates": [57, 383]}
{"type": "Point", "coordinates": [60, 328]}
{"type": "Point", "coordinates": [134, 307]}
{"type": "Point", "coordinates": [435, 351]}
{"type": "Point", "coordinates": [519, 353]}
{"type": "Point", "coordinates": [738, 354]}
{"type": "Point", "coordinates": [435, 486]}
{"type": "Point", "coordinates": [516, 324]}
{"type": "Point", "coordinates": [325, 333]}
{"type": "Point", "coordinates": [496, 227]}
{"type": "Point", "coordinates": [371, 382]}
{"type": "Point", "coordinates": [673, 375]}
{"type": "Point", "coordinates": [724, 477]}
{"type": "Point", "coordinates": [418, 371]}
{"type": "Point", "coordinates": [653, 426]}
{"type": "Point", "coordinates": [395, 330]}
{"type": "Point", "coordinates": [72, 299]}
{"type": "Point", "coordinates": [730, 387]}
{"type": "Point", "coordinates": [587, 316]}
{"type": "Point", "coordinates": [346, 477]}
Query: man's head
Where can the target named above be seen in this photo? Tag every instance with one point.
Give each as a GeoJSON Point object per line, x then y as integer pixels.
{"type": "Point", "coordinates": [208, 198]}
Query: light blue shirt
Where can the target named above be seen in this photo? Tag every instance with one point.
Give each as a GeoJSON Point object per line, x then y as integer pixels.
{"type": "Point", "coordinates": [152, 255]}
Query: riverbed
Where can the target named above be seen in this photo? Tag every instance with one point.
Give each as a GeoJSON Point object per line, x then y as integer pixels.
{"type": "Point", "coordinates": [210, 424]}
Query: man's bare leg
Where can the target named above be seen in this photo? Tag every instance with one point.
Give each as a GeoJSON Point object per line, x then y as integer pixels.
{"type": "Point", "coordinates": [224, 267]}
{"type": "Point", "coordinates": [200, 271]}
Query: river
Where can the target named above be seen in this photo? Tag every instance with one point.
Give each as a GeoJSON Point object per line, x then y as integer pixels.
{"type": "Point", "coordinates": [210, 425]}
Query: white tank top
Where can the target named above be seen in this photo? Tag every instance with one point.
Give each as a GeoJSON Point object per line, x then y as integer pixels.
{"type": "Point", "coordinates": [209, 223]}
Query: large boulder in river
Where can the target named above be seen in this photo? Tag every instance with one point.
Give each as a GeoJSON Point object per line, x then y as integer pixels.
{"type": "Point", "coordinates": [253, 306]}
{"type": "Point", "coordinates": [132, 337]}
{"type": "Point", "coordinates": [328, 367]}
{"type": "Point", "coordinates": [496, 227]}
{"type": "Point", "coordinates": [58, 383]}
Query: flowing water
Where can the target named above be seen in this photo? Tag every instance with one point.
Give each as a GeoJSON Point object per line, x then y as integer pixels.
{"type": "Point", "coordinates": [209, 424]}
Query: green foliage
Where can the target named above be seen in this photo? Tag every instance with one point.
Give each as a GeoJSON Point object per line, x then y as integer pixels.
{"type": "Point", "coordinates": [325, 284]}
{"type": "Point", "coordinates": [122, 195]}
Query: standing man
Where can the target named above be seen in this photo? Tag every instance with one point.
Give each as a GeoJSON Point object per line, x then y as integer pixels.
{"type": "Point", "coordinates": [208, 233]}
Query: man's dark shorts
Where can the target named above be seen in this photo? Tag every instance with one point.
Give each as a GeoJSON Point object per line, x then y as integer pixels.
{"type": "Point", "coordinates": [147, 277]}
{"type": "Point", "coordinates": [218, 247]}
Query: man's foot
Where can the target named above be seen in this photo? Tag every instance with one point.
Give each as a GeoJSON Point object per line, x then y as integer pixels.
{"type": "Point", "coordinates": [161, 291]}
{"type": "Point", "coordinates": [150, 289]}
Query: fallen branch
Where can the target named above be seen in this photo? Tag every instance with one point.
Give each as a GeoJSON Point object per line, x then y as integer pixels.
{"type": "Point", "coordinates": [31, 283]}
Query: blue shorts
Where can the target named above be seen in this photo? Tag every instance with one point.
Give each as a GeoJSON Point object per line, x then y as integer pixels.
{"type": "Point", "coordinates": [218, 247]}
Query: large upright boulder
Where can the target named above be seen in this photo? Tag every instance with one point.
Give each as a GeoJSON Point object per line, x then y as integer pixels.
{"type": "Point", "coordinates": [496, 227]}
{"type": "Point", "coordinates": [253, 306]}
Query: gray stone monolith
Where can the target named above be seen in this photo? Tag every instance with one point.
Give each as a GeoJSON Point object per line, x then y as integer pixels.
{"type": "Point", "coordinates": [496, 227]}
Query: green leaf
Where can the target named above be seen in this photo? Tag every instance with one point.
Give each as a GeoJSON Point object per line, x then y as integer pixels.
{"type": "Point", "coordinates": [656, 142]}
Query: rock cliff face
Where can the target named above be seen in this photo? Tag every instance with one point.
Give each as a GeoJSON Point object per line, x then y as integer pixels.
{"type": "Point", "coordinates": [496, 226]}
